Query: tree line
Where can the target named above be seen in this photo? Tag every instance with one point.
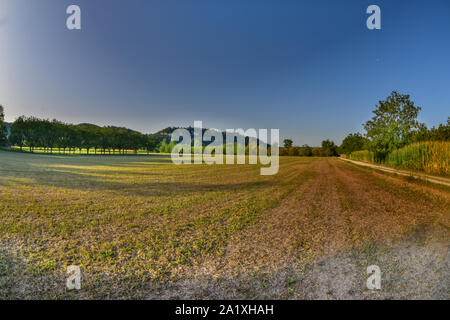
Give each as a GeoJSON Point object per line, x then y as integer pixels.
{"type": "Point", "coordinates": [394, 125]}
{"type": "Point", "coordinates": [327, 149]}
{"type": "Point", "coordinates": [42, 133]}
{"type": "Point", "coordinates": [3, 136]}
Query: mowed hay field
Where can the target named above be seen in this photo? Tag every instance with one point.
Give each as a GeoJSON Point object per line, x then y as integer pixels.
{"type": "Point", "coordinates": [141, 227]}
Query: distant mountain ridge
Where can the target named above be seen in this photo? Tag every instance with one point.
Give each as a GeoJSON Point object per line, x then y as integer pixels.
{"type": "Point", "coordinates": [90, 125]}
{"type": "Point", "coordinates": [166, 134]}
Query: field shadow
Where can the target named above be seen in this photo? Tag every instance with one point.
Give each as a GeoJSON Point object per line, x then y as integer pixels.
{"type": "Point", "coordinates": [121, 175]}
{"type": "Point", "coordinates": [82, 181]}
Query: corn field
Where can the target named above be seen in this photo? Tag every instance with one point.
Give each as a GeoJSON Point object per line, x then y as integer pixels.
{"type": "Point", "coordinates": [363, 155]}
{"type": "Point", "coordinates": [431, 157]}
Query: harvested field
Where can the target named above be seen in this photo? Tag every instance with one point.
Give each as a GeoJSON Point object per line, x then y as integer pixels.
{"type": "Point", "coordinates": [142, 227]}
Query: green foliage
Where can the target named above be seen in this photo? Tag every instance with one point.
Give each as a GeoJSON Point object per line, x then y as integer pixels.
{"type": "Point", "coordinates": [305, 151]}
{"type": "Point", "coordinates": [353, 142]}
{"type": "Point", "coordinates": [166, 148]}
{"type": "Point", "coordinates": [2, 127]}
{"type": "Point", "coordinates": [150, 142]}
{"type": "Point", "coordinates": [441, 133]}
{"type": "Point", "coordinates": [392, 125]}
{"type": "Point", "coordinates": [315, 152]}
{"type": "Point", "coordinates": [329, 149]}
{"type": "Point", "coordinates": [163, 147]}
{"type": "Point", "coordinates": [288, 143]}
{"type": "Point", "coordinates": [431, 157]}
{"type": "Point", "coordinates": [362, 155]}
{"type": "Point", "coordinates": [33, 133]}
{"type": "Point", "coordinates": [293, 151]}
{"type": "Point", "coordinates": [395, 138]}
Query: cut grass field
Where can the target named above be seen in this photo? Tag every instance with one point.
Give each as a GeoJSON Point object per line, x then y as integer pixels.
{"type": "Point", "coordinates": [142, 227]}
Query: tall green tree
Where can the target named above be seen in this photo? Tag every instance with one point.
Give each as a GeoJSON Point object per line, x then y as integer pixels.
{"type": "Point", "coordinates": [353, 142]}
{"type": "Point", "coordinates": [2, 126]}
{"type": "Point", "coordinates": [17, 136]}
{"type": "Point", "coordinates": [441, 133]}
{"type": "Point", "coordinates": [287, 143]}
{"type": "Point", "coordinates": [163, 148]}
{"type": "Point", "coordinates": [329, 149]}
{"type": "Point", "coordinates": [393, 124]}
{"type": "Point", "coordinates": [150, 143]}
{"type": "Point", "coordinates": [305, 151]}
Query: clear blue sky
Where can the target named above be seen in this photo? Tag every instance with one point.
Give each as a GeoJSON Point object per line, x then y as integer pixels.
{"type": "Point", "coordinates": [310, 68]}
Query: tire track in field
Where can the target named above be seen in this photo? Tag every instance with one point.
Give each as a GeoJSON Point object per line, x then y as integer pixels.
{"type": "Point", "coordinates": [393, 224]}
{"type": "Point", "coordinates": [418, 175]}
{"type": "Point", "coordinates": [306, 223]}
{"type": "Point", "coordinates": [380, 208]}
{"type": "Point", "coordinates": [326, 222]}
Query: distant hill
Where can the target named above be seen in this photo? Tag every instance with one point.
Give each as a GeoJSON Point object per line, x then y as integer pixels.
{"type": "Point", "coordinates": [166, 134]}
{"type": "Point", "coordinates": [90, 125]}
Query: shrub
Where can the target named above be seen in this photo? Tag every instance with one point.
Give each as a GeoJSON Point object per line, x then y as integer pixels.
{"type": "Point", "coordinates": [316, 152]}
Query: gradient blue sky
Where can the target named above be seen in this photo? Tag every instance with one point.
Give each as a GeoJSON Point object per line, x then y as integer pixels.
{"type": "Point", "coordinates": [310, 68]}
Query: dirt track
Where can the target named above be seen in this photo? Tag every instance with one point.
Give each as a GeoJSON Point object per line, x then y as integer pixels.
{"type": "Point", "coordinates": [426, 177]}
{"type": "Point", "coordinates": [319, 241]}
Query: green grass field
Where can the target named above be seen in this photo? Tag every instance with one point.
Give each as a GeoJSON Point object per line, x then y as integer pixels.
{"type": "Point", "coordinates": [142, 227]}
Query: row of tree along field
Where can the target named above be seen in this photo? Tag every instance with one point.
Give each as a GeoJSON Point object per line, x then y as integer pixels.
{"type": "Point", "coordinates": [36, 135]}
{"type": "Point", "coordinates": [328, 149]}
{"type": "Point", "coordinates": [32, 134]}
{"type": "Point", "coordinates": [50, 136]}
